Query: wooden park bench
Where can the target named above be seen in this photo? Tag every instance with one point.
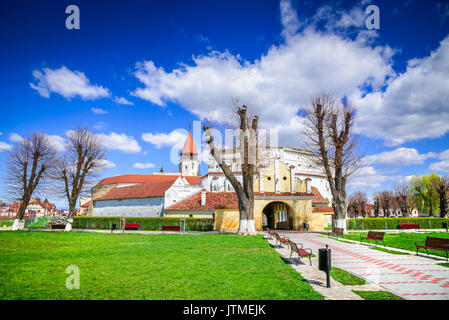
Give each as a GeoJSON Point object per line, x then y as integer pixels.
{"type": "Point", "coordinates": [298, 249]}
{"type": "Point", "coordinates": [270, 234]}
{"type": "Point", "coordinates": [170, 228]}
{"type": "Point", "coordinates": [337, 232]}
{"type": "Point", "coordinates": [434, 243]}
{"type": "Point", "coordinates": [408, 225]}
{"type": "Point", "coordinates": [374, 235]}
{"type": "Point", "coordinates": [57, 226]}
{"type": "Point", "coordinates": [131, 226]}
{"type": "Point", "coordinates": [280, 239]}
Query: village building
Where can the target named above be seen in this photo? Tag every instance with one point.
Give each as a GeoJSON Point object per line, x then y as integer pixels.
{"type": "Point", "coordinates": [35, 207]}
{"type": "Point", "coordinates": [291, 192]}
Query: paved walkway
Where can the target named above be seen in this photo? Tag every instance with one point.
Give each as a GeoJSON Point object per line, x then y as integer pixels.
{"type": "Point", "coordinates": [408, 276]}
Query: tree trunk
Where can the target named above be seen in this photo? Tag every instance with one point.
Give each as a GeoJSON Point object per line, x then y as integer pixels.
{"type": "Point", "coordinates": [246, 224]}
{"type": "Point", "coordinates": [68, 226]}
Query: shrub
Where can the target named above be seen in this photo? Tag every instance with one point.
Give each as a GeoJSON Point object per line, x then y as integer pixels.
{"type": "Point", "coordinates": [150, 224]}
{"type": "Point", "coordinates": [392, 223]}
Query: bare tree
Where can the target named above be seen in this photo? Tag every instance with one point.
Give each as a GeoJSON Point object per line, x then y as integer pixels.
{"type": "Point", "coordinates": [248, 154]}
{"type": "Point", "coordinates": [357, 204]}
{"type": "Point", "coordinates": [386, 202]}
{"type": "Point", "coordinates": [328, 133]}
{"type": "Point", "coordinates": [29, 166]}
{"type": "Point", "coordinates": [78, 165]}
{"type": "Point", "coordinates": [403, 198]}
{"type": "Point", "coordinates": [376, 198]}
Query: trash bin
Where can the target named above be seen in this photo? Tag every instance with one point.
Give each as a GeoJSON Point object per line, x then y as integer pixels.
{"type": "Point", "coordinates": [324, 259]}
{"type": "Point", "coordinates": [324, 263]}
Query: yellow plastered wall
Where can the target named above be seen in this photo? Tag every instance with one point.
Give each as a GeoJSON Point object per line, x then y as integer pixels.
{"type": "Point", "coordinates": [319, 221]}
{"type": "Point", "coordinates": [226, 220]}
{"type": "Point", "coordinates": [269, 185]}
{"type": "Point", "coordinates": [256, 185]}
{"type": "Point", "coordinates": [284, 173]}
{"type": "Point", "coordinates": [300, 186]}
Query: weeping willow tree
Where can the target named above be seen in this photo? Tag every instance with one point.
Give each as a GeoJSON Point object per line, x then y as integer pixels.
{"type": "Point", "coordinates": [425, 193]}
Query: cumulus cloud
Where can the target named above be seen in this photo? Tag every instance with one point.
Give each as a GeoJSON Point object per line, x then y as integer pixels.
{"type": "Point", "coordinates": [66, 83]}
{"type": "Point", "coordinates": [443, 165]}
{"type": "Point", "coordinates": [5, 146]}
{"type": "Point", "coordinates": [122, 142]}
{"type": "Point", "coordinates": [413, 106]}
{"type": "Point", "coordinates": [15, 137]}
{"type": "Point", "coordinates": [58, 142]}
{"type": "Point", "coordinates": [277, 84]}
{"type": "Point", "coordinates": [398, 157]}
{"type": "Point", "coordinates": [368, 178]}
{"type": "Point", "coordinates": [98, 111]}
{"type": "Point", "coordinates": [143, 165]}
{"type": "Point", "coordinates": [122, 100]}
{"type": "Point", "coordinates": [106, 163]}
{"type": "Point", "coordinates": [176, 138]}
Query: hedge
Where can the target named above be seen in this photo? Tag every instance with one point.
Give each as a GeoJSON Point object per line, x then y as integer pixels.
{"type": "Point", "coordinates": [392, 223]}
{"type": "Point", "coordinates": [150, 224]}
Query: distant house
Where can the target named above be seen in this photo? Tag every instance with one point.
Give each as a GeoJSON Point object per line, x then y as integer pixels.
{"type": "Point", "coordinates": [35, 207]}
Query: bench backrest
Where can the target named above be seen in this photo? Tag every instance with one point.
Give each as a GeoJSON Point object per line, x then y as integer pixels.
{"type": "Point", "coordinates": [339, 230]}
{"type": "Point", "coordinates": [437, 242]}
{"type": "Point", "coordinates": [293, 246]}
{"type": "Point", "coordinates": [277, 236]}
{"type": "Point", "coordinates": [131, 225]}
{"type": "Point", "coordinates": [378, 235]}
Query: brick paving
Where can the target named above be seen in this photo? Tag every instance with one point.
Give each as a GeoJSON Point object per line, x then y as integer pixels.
{"type": "Point", "coordinates": [409, 276]}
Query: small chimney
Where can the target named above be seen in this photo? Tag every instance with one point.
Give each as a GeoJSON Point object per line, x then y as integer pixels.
{"type": "Point", "coordinates": [203, 198]}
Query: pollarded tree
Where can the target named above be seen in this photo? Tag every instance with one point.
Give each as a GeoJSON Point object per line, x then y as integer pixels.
{"type": "Point", "coordinates": [329, 134]}
{"type": "Point", "coordinates": [247, 152]}
{"type": "Point", "coordinates": [403, 198]}
{"type": "Point", "coordinates": [29, 168]}
{"type": "Point", "coordinates": [78, 165]}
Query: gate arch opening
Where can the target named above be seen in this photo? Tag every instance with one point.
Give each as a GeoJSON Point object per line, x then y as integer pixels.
{"type": "Point", "coordinates": [277, 215]}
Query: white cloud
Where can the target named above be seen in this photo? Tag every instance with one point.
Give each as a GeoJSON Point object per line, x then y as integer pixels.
{"type": "Point", "coordinates": [143, 165]}
{"type": "Point", "coordinates": [398, 157]}
{"type": "Point", "coordinates": [100, 125]}
{"type": "Point", "coordinates": [5, 146]}
{"type": "Point", "coordinates": [414, 105]}
{"type": "Point", "coordinates": [278, 84]}
{"type": "Point", "coordinates": [122, 142]}
{"type": "Point", "coordinates": [58, 142]}
{"type": "Point", "coordinates": [66, 83]}
{"type": "Point", "coordinates": [14, 137]}
{"type": "Point", "coordinates": [175, 138]}
{"type": "Point", "coordinates": [107, 163]}
{"type": "Point", "coordinates": [98, 111]}
{"type": "Point", "coordinates": [289, 19]}
{"type": "Point", "coordinates": [122, 100]}
{"type": "Point", "coordinates": [368, 178]}
{"type": "Point", "coordinates": [443, 165]}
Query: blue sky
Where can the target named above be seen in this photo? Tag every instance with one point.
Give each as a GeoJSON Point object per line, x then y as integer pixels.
{"type": "Point", "coordinates": [139, 72]}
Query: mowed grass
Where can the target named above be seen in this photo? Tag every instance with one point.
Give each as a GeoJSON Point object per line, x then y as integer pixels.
{"type": "Point", "coordinates": [377, 295]}
{"type": "Point", "coordinates": [346, 278]}
{"type": "Point", "coordinates": [143, 266]}
{"type": "Point", "coordinates": [405, 240]}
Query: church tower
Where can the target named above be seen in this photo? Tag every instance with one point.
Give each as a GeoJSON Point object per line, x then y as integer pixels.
{"type": "Point", "coordinates": [189, 165]}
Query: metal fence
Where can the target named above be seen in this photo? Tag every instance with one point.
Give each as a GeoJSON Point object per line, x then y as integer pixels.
{"type": "Point", "coordinates": [30, 221]}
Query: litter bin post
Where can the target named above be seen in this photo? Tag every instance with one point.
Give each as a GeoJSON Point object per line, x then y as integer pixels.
{"type": "Point", "coordinates": [324, 263]}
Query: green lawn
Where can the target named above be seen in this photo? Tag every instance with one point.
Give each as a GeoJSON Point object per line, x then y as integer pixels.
{"type": "Point", "coordinates": [405, 240]}
{"type": "Point", "coordinates": [6, 223]}
{"type": "Point", "coordinates": [377, 295]}
{"type": "Point", "coordinates": [138, 266]}
{"type": "Point", "coordinates": [346, 278]}
{"type": "Point", "coordinates": [389, 251]}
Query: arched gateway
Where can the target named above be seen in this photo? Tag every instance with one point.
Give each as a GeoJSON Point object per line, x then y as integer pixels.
{"type": "Point", "coordinates": [277, 215]}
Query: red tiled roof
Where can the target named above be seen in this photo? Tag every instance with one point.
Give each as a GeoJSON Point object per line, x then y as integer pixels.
{"type": "Point", "coordinates": [322, 209]}
{"type": "Point", "coordinates": [317, 197]}
{"type": "Point", "coordinates": [145, 190]}
{"type": "Point", "coordinates": [144, 178]}
{"type": "Point", "coordinates": [86, 204]}
{"type": "Point", "coordinates": [189, 146]}
{"type": "Point", "coordinates": [214, 200]}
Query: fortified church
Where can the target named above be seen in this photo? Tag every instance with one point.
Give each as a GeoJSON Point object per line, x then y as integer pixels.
{"type": "Point", "coordinates": [289, 192]}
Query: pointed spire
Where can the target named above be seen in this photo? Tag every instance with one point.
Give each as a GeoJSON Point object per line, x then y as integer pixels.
{"type": "Point", "coordinates": [189, 146]}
